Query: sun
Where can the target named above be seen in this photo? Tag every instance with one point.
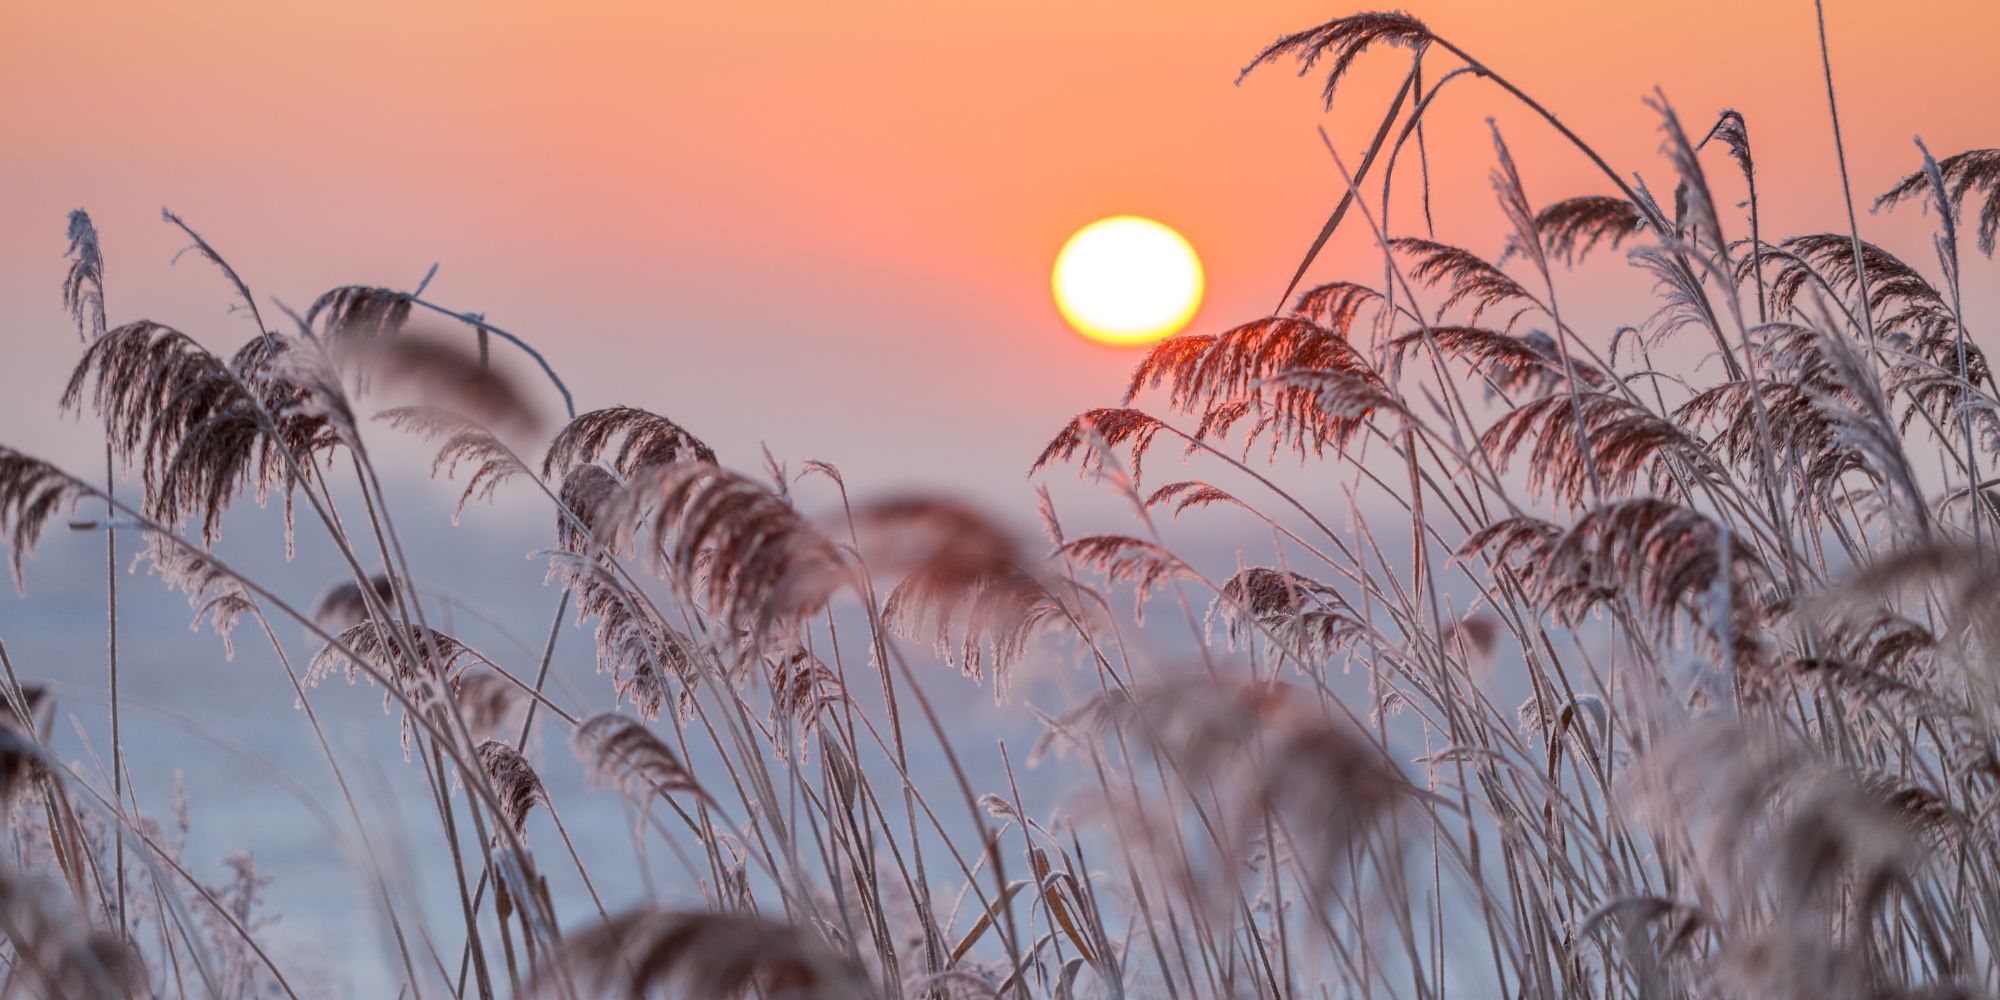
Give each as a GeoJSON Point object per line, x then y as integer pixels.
{"type": "Point", "coordinates": [1127, 280]}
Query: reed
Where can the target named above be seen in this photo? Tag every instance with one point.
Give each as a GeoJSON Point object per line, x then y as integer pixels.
{"type": "Point", "coordinates": [1572, 668]}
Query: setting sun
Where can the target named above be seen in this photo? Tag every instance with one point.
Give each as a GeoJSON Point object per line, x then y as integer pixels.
{"type": "Point", "coordinates": [1127, 280]}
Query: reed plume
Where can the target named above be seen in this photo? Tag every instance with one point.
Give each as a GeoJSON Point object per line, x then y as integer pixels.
{"type": "Point", "coordinates": [1973, 172]}
{"type": "Point", "coordinates": [465, 442]}
{"type": "Point", "coordinates": [1570, 229]}
{"type": "Point", "coordinates": [697, 954]}
{"type": "Point", "coordinates": [624, 754]}
{"type": "Point", "coordinates": [441, 657]}
{"type": "Point", "coordinates": [1269, 755]}
{"type": "Point", "coordinates": [441, 370]}
{"type": "Point", "coordinates": [516, 786]}
{"type": "Point", "coordinates": [1467, 277]}
{"type": "Point", "coordinates": [83, 285]}
{"type": "Point", "coordinates": [342, 605]}
{"type": "Point", "coordinates": [25, 717]}
{"type": "Point", "coordinates": [31, 492]}
{"type": "Point", "coordinates": [741, 548]}
{"type": "Point", "coordinates": [217, 595]}
{"type": "Point", "coordinates": [1289, 606]}
{"type": "Point", "coordinates": [1665, 559]}
{"type": "Point", "coordinates": [1095, 432]}
{"type": "Point", "coordinates": [803, 691]}
{"type": "Point", "coordinates": [1530, 363]}
{"type": "Point", "coordinates": [485, 700]}
{"type": "Point", "coordinates": [1334, 305]}
{"type": "Point", "coordinates": [359, 312]}
{"type": "Point", "coordinates": [56, 954]}
{"type": "Point", "coordinates": [1342, 40]}
{"type": "Point", "coordinates": [585, 490]}
{"type": "Point", "coordinates": [643, 654]}
{"type": "Point", "coordinates": [1595, 440]}
{"type": "Point", "coordinates": [179, 412]}
{"type": "Point", "coordinates": [376, 648]}
{"type": "Point", "coordinates": [965, 585]}
{"type": "Point", "coordinates": [644, 440]}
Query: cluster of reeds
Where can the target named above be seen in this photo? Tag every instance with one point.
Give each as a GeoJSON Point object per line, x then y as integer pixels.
{"type": "Point", "coordinates": [1655, 680]}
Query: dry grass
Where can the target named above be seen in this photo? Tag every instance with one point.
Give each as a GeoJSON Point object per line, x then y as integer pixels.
{"type": "Point", "coordinates": [1632, 681]}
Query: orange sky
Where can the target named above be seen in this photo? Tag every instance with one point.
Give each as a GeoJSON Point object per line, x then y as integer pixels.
{"type": "Point", "coordinates": [829, 226]}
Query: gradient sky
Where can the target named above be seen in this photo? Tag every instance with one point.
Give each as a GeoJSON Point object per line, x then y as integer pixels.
{"type": "Point", "coordinates": [828, 226]}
